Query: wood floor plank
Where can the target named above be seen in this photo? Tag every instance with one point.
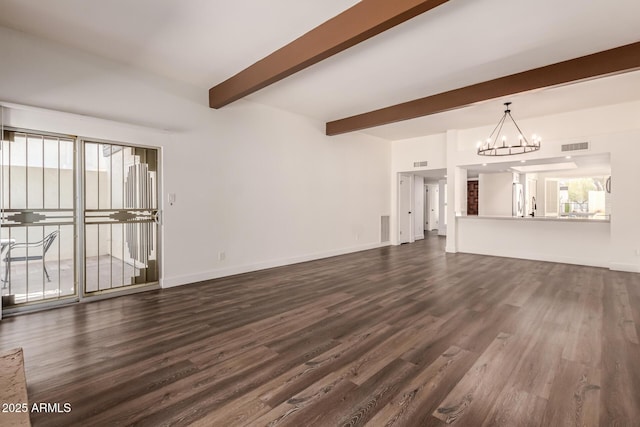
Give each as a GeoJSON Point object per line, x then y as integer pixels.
{"type": "Point", "coordinates": [584, 341]}
{"type": "Point", "coordinates": [475, 394]}
{"type": "Point", "coordinates": [520, 293]}
{"type": "Point", "coordinates": [414, 404]}
{"type": "Point", "coordinates": [620, 381]}
{"type": "Point", "coordinates": [352, 349]}
{"type": "Point", "coordinates": [575, 397]}
{"type": "Point", "coordinates": [127, 402]}
{"type": "Point", "coordinates": [424, 353]}
{"type": "Point", "coordinates": [306, 408]}
{"type": "Point", "coordinates": [477, 337]}
{"type": "Point", "coordinates": [624, 312]}
{"type": "Point", "coordinates": [353, 406]}
{"type": "Point", "coordinates": [632, 283]}
{"type": "Point", "coordinates": [193, 402]}
{"type": "Point", "coordinates": [399, 336]}
{"type": "Point", "coordinates": [273, 393]}
{"type": "Point", "coordinates": [516, 408]}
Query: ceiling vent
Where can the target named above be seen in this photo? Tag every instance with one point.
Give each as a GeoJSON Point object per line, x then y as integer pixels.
{"type": "Point", "coordinates": [420, 164]}
{"type": "Point", "coordinates": [575, 147]}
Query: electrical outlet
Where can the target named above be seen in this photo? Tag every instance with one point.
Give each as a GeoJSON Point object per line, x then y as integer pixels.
{"type": "Point", "coordinates": [222, 255]}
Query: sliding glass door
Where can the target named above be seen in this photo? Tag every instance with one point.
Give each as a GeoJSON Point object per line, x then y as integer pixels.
{"type": "Point", "coordinates": [37, 235]}
{"type": "Point", "coordinates": [50, 251]}
{"type": "Point", "coordinates": [120, 216]}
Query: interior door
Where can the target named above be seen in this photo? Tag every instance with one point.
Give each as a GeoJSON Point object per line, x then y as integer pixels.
{"type": "Point", "coordinates": [426, 208]}
{"type": "Point", "coordinates": [120, 217]}
{"type": "Point", "coordinates": [404, 214]}
{"type": "Point", "coordinates": [434, 207]}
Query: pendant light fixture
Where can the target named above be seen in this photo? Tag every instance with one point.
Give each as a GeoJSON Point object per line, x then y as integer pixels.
{"type": "Point", "coordinates": [500, 143]}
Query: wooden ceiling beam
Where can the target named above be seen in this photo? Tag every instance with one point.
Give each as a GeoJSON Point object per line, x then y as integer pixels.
{"type": "Point", "coordinates": [614, 61]}
{"type": "Point", "coordinates": [356, 24]}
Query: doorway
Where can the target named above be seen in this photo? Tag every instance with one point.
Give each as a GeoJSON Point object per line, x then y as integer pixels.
{"type": "Point", "coordinates": [38, 218]}
{"type": "Point", "coordinates": [79, 218]}
{"type": "Point", "coordinates": [433, 207]}
{"type": "Point", "coordinates": [404, 211]}
{"type": "Point", "coordinates": [120, 217]}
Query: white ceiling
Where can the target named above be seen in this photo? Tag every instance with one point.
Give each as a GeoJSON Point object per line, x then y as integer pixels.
{"type": "Point", "coordinates": [576, 165]}
{"type": "Point", "coordinates": [203, 42]}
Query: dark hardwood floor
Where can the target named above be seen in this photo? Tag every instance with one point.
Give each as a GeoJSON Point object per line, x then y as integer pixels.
{"type": "Point", "coordinates": [398, 336]}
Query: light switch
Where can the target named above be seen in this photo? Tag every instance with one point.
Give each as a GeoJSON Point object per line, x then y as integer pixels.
{"type": "Point", "coordinates": [172, 198]}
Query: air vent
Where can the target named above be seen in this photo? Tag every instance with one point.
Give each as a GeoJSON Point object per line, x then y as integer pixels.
{"type": "Point", "coordinates": [420, 164]}
{"type": "Point", "coordinates": [384, 229]}
{"type": "Point", "coordinates": [576, 147]}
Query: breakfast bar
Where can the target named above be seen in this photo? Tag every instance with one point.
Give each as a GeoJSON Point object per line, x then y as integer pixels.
{"type": "Point", "coordinates": [582, 241]}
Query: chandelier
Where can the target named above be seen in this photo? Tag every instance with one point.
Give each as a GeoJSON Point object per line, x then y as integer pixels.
{"type": "Point", "coordinates": [499, 144]}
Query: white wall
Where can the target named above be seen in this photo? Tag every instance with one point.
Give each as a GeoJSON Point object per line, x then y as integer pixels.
{"type": "Point", "coordinates": [495, 193]}
{"type": "Point", "coordinates": [263, 185]}
{"type": "Point", "coordinates": [432, 148]}
{"type": "Point", "coordinates": [625, 203]}
{"type": "Point", "coordinates": [460, 192]}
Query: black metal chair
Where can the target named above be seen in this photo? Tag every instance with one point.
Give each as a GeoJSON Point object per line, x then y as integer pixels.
{"type": "Point", "coordinates": [45, 243]}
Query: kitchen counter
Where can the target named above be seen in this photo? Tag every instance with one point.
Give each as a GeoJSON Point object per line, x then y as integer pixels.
{"type": "Point", "coordinates": [583, 241]}
{"type": "Point", "coordinates": [537, 218]}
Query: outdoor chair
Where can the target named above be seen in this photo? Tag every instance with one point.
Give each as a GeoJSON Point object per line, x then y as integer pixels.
{"type": "Point", "coordinates": [44, 243]}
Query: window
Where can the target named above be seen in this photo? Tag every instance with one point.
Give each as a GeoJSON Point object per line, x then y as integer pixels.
{"type": "Point", "coordinates": [583, 197]}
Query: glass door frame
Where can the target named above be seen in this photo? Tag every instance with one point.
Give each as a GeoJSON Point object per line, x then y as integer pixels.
{"type": "Point", "coordinates": [68, 299]}
{"type": "Point", "coordinates": [83, 295]}
{"type": "Point", "coordinates": [79, 237]}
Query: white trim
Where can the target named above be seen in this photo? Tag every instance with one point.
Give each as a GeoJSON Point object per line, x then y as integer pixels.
{"type": "Point", "coordinates": [544, 258]}
{"type": "Point", "coordinates": [170, 282]}
{"type": "Point", "coordinates": [629, 268]}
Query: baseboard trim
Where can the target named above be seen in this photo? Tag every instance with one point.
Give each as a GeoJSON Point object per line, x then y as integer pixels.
{"type": "Point", "coordinates": [170, 282]}
{"type": "Point", "coordinates": [544, 258]}
{"type": "Point", "coordinates": [628, 268]}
